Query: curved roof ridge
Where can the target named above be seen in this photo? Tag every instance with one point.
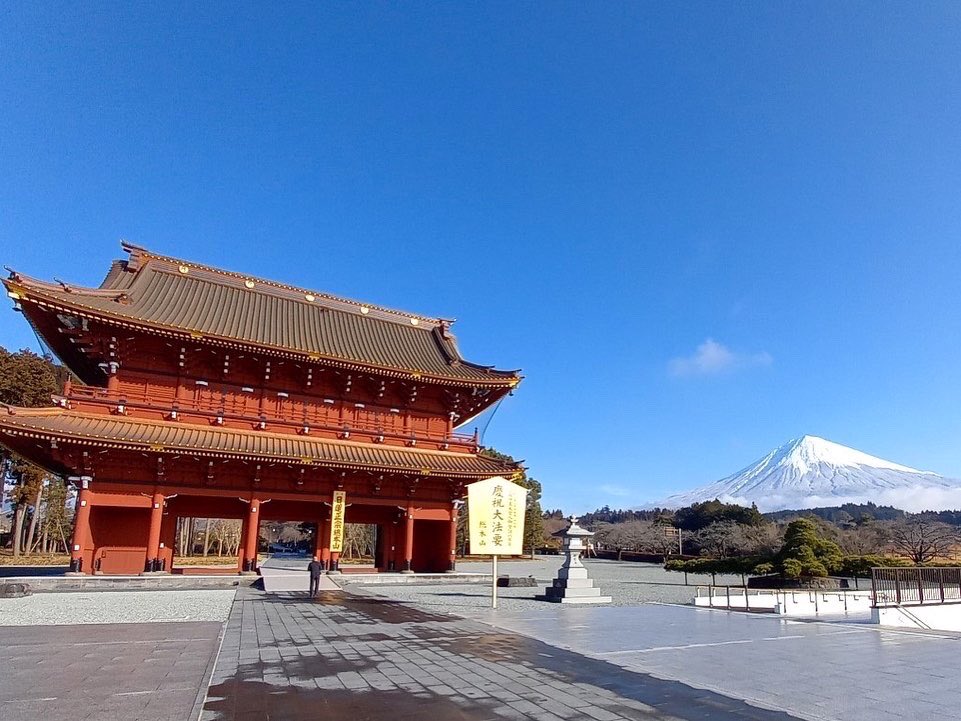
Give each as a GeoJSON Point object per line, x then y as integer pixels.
{"type": "Point", "coordinates": [319, 295]}
{"type": "Point", "coordinates": [61, 287]}
{"type": "Point", "coordinates": [160, 292]}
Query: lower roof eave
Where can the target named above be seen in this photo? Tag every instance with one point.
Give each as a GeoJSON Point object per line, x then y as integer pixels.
{"type": "Point", "coordinates": [7, 429]}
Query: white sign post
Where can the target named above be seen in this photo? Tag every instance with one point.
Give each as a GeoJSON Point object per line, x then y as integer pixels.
{"type": "Point", "coordinates": [495, 512]}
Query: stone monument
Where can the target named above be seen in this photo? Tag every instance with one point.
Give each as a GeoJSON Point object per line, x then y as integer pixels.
{"type": "Point", "coordinates": [572, 584]}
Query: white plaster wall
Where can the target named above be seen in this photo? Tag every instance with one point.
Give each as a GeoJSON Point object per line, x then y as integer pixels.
{"type": "Point", "coordinates": [941, 617]}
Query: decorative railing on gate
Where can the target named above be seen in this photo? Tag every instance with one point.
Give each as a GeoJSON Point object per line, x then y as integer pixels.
{"type": "Point", "coordinates": [915, 586]}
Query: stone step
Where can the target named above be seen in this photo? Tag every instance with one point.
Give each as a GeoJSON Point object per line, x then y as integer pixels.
{"type": "Point", "coordinates": [552, 592]}
{"type": "Point", "coordinates": [573, 583]}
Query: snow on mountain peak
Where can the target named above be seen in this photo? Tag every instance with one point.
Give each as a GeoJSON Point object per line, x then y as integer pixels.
{"type": "Point", "coordinates": [809, 471]}
{"type": "Point", "coordinates": [807, 452]}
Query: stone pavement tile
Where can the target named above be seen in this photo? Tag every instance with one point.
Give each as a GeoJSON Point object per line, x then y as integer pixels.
{"type": "Point", "coordinates": [876, 668]}
{"type": "Point", "coordinates": [115, 669]}
{"type": "Point", "coordinates": [371, 659]}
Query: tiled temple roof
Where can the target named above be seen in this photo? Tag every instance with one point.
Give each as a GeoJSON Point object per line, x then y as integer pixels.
{"type": "Point", "coordinates": [94, 430]}
{"type": "Point", "coordinates": [171, 295]}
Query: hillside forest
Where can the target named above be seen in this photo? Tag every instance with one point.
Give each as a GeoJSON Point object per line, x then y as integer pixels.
{"type": "Point", "coordinates": [717, 537]}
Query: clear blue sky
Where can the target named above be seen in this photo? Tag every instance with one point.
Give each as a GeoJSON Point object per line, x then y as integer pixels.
{"type": "Point", "coordinates": [700, 229]}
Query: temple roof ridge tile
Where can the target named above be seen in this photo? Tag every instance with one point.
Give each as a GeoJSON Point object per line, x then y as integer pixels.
{"type": "Point", "coordinates": [401, 315]}
{"type": "Point", "coordinates": [185, 297]}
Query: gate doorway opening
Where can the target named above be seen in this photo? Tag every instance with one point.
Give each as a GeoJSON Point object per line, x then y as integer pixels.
{"type": "Point", "coordinates": [206, 545]}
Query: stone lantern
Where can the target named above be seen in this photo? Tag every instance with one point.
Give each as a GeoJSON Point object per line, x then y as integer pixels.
{"type": "Point", "coordinates": [572, 584]}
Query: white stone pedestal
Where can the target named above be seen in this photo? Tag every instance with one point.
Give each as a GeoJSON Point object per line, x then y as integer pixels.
{"type": "Point", "coordinates": [572, 584]}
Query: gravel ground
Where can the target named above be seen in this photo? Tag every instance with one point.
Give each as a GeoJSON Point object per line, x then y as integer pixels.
{"type": "Point", "coordinates": [56, 609]}
{"type": "Point", "coordinates": [629, 584]}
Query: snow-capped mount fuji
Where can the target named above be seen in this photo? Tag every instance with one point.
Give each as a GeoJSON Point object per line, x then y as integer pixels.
{"type": "Point", "coordinates": [809, 471]}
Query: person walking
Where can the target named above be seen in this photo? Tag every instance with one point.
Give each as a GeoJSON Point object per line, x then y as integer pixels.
{"type": "Point", "coordinates": [315, 568]}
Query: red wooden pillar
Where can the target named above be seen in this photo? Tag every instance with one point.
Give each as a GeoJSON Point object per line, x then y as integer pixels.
{"type": "Point", "coordinates": [409, 541]}
{"type": "Point", "coordinates": [319, 542]}
{"type": "Point", "coordinates": [242, 546]}
{"type": "Point", "coordinates": [390, 545]}
{"type": "Point", "coordinates": [153, 562]}
{"type": "Point", "coordinates": [252, 533]}
{"type": "Point", "coordinates": [323, 530]}
{"type": "Point", "coordinates": [81, 531]}
{"type": "Point", "coordinates": [453, 540]}
{"type": "Point", "coordinates": [396, 562]}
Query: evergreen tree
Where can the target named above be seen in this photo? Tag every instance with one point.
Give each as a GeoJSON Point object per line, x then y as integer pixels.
{"type": "Point", "coordinates": [533, 516]}
{"type": "Point", "coordinates": [27, 380]}
{"type": "Point", "coordinates": [701, 515]}
{"type": "Point", "coordinates": [806, 552]}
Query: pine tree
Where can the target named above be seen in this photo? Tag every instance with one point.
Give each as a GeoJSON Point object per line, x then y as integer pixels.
{"type": "Point", "coordinates": [806, 552]}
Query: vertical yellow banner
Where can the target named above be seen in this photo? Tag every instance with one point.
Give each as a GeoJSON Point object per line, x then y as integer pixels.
{"type": "Point", "coordinates": [337, 521]}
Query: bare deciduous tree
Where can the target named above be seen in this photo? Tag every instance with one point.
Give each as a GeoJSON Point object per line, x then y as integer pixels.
{"type": "Point", "coordinates": [866, 539]}
{"type": "Point", "coordinates": [762, 540]}
{"type": "Point", "coordinates": [358, 540]}
{"type": "Point", "coordinates": [721, 539]}
{"type": "Point", "coordinates": [923, 540]}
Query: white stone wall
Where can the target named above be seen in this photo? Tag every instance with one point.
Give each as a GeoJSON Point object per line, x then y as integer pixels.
{"type": "Point", "coordinates": [940, 617]}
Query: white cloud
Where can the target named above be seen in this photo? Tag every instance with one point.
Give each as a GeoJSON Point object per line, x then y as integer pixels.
{"type": "Point", "coordinates": [713, 358]}
{"type": "Point", "coordinates": [912, 500]}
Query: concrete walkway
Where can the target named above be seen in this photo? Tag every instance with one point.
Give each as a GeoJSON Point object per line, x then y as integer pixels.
{"type": "Point", "coordinates": [357, 656]}
{"type": "Point", "coordinates": [349, 656]}
{"type": "Point", "coordinates": [837, 671]}
{"type": "Point", "coordinates": [290, 579]}
{"type": "Point", "coordinates": [115, 672]}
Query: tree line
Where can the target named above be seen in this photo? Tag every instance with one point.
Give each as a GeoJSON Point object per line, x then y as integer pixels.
{"type": "Point", "coordinates": [42, 517]}
{"type": "Point", "coordinates": [719, 537]}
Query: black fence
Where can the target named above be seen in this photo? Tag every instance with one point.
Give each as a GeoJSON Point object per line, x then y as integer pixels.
{"type": "Point", "coordinates": [915, 586]}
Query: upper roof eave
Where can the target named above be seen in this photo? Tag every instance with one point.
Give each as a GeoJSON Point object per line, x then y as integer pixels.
{"type": "Point", "coordinates": [68, 297]}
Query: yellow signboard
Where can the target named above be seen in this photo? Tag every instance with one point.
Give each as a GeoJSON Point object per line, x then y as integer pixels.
{"type": "Point", "coordinates": [495, 514]}
{"type": "Point", "coordinates": [337, 522]}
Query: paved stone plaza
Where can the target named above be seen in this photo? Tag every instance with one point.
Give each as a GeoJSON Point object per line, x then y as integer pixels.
{"type": "Point", "coordinates": [115, 672]}
{"type": "Point", "coordinates": [441, 652]}
{"type": "Point", "coordinates": [353, 656]}
{"type": "Point", "coordinates": [628, 583]}
{"type": "Point", "coordinates": [814, 670]}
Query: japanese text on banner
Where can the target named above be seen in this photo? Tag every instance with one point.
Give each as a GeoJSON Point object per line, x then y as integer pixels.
{"type": "Point", "coordinates": [496, 517]}
{"type": "Point", "coordinates": [337, 522]}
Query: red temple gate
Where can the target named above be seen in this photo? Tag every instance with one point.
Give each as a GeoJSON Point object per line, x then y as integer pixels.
{"type": "Point", "coordinates": [197, 392]}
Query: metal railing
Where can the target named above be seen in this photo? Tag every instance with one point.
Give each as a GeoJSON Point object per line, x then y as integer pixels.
{"type": "Point", "coordinates": [776, 600]}
{"type": "Point", "coordinates": [738, 597]}
{"type": "Point", "coordinates": [915, 586]}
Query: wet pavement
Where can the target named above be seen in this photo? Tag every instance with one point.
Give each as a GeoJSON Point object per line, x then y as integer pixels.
{"type": "Point", "coordinates": [837, 671]}
{"type": "Point", "coordinates": [350, 656]}
{"type": "Point", "coordinates": [356, 655]}
{"type": "Point", "coordinates": [105, 672]}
